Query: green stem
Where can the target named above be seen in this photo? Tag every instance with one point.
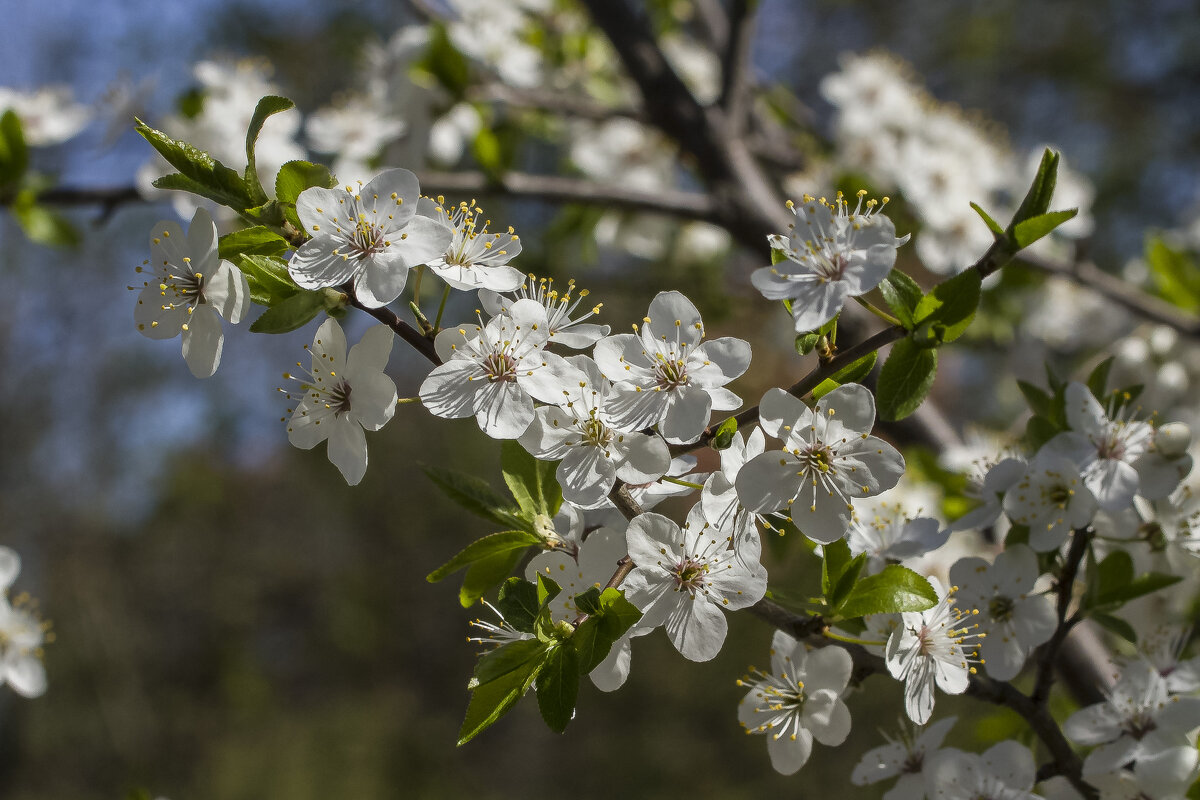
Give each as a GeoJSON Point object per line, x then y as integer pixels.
{"type": "Point", "coordinates": [879, 312]}
{"type": "Point", "coordinates": [404, 400]}
{"type": "Point", "coordinates": [828, 634]}
{"type": "Point", "coordinates": [688, 484]}
{"type": "Point", "coordinates": [437, 322]}
{"type": "Point", "coordinates": [417, 284]}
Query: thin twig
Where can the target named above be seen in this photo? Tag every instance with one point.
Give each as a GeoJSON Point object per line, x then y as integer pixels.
{"type": "Point", "coordinates": [1048, 652]}
{"type": "Point", "coordinates": [737, 65]}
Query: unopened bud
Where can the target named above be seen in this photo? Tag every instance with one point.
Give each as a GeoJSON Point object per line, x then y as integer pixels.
{"type": "Point", "coordinates": [1172, 439]}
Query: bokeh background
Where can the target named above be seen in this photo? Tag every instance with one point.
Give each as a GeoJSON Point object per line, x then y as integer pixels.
{"type": "Point", "coordinates": [233, 621]}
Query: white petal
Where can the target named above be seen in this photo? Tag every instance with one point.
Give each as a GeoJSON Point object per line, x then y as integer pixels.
{"type": "Point", "coordinates": [25, 674]}
{"type": "Point", "coordinates": [827, 717]}
{"type": "Point", "coordinates": [502, 410]}
{"type": "Point", "coordinates": [372, 400]}
{"type": "Point", "coordinates": [203, 341]}
{"type": "Point", "coordinates": [852, 405]}
{"type": "Point", "coordinates": [314, 265]}
{"type": "Point", "coordinates": [647, 458]}
{"type": "Point", "coordinates": [687, 414]}
{"type": "Point", "coordinates": [717, 362]}
{"type": "Point", "coordinates": [696, 627]}
{"type": "Point", "coordinates": [586, 476]}
{"type": "Point", "coordinates": [670, 312]}
{"type": "Point", "coordinates": [767, 482]}
{"type": "Point", "coordinates": [818, 515]}
{"type": "Point", "coordinates": [372, 352]}
{"type": "Point", "coordinates": [347, 449]}
{"type": "Point", "coordinates": [788, 754]}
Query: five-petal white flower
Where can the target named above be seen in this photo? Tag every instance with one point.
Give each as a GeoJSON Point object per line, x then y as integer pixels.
{"type": "Point", "coordinates": [833, 254]}
{"type": "Point", "coordinates": [474, 259]}
{"type": "Point", "coordinates": [344, 395]}
{"type": "Point", "coordinates": [666, 375]}
{"type": "Point", "coordinates": [684, 576]}
{"type": "Point", "coordinates": [495, 371]}
{"type": "Point", "coordinates": [828, 459]}
{"type": "Point", "coordinates": [573, 333]}
{"type": "Point", "coordinates": [905, 756]}
{"type": "Point", "coordinates": [1003, 772]}
{"type": "Point", "coordinates": [21, 635]}
{"type": "Point", "coordinates": [1051, 499]}
{"type": "Point", "coordinates": [799, 700]}
{"type": "Point", "coordinates": [594, 451]}
{"type": "Point", "coordinates": [370, 235]}
{"type": "Point", "coordinates": [188, 290]}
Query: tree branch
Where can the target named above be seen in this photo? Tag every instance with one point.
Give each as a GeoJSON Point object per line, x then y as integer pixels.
{"type": "Point", "coordinates": [737, 65]}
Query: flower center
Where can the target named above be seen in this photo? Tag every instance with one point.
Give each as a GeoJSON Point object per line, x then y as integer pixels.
{"type": "Point", "coordinates": [1154, 535]}
{"type": "Point", "coordinates": [1139, 725]}
{"type": "Point", "coordinates": [339, 398]}
{"type": "Point", "coordinates": [819, 457]}
{"type": "Point", "coordinates": [596, 432]}
{"type": "Point", "coordinates": [366, 239]}
{"type": "Point", "coordinates": [689, 574]}
{"type": "Point", "coordinates": [1060, 495]}
{"type": "Point", "coordinates": [671, 373]}
{"type": "Point", "coordinates": [501, 367]}
{"type": "Point", "coordinates": [1001, 608]}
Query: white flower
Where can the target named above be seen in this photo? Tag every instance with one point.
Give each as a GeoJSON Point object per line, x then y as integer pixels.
{"type": "Point", "coordinates": [343, 396]}
{"type": "Point", "coordinates": [872, 93]}
{"type": "Point", "coordinates": [356, 129]}
{"type": "Point", "coordinates": [1111, 453]}
{"type": "Point", "coordinates": [49, 115]}
{"type": "Point", "coordinates": [496, 634]}
{"type": "Point", "coordinates": [905, 756]}
{"type": "Point", "coordinates": [188, 290]}
{"type": "Point", "coordinates": [474, 259]}
{"type": "Point", "coordinates": [370, 234]}
{"type": "Point", "coordinates": [1014, 618]}
{"type": "Point", "coordinates": [495, 371]}
{"type": "Point", "coordinates": [1051, 499]}
{"type": "Point", "coordinates": [593, 449]}
{"type": "Point", "coordinates": [828, 460]}
{"type": "Point", "coordinates": [893, 536]}
{"type": "Point", "coordinates": [574, 333]}
{"type": "Point", "coordinates": [932, 647]}
{"type": "Point", "coordinates": [591, 566]}
{"type": "Point", "coordinates": [1139, 719]}
{"type": "Point", "coordinates": [22, 634]}
{"type": "Point", "coordinates": [990, 487]}
{"type": "Point", "coordinates": [1165, 775]}
{"type": "Point", "coordinates": [1163, 648]}
{"type": "Point", "coordinates": [719, 499]}
{"type": "Point", "coordinates": [833, 254]}
{"type": "Point", "coordinates": [685, 576]}
{"type": "Point", "coordinates": [799, 700]}
{"type": "Point", "coordinates": [666, 375]}
{"type": "Point", "coordinates": [1004, 772]}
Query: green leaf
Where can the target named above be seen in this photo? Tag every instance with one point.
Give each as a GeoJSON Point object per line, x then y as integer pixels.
{"type": "Point", "coordinates": [993, 226]}
{"type": "Point", "coordinates": [518, 602]}
{"type": "Point", "coordinates": [1037, 199]}
{"type": "Point", "coordinates": [14, 155]}
{"type": "Point", "coordinates": [218, 180]}
{"type": "Point", "coordinates": [723, 438]}
{"type": "Point", "coordinates": [1097, 380]}
{"type": "Point", "coordinates": [43, 225]}
{"type": "Point", "coordinates": [947, 311]}
{"type": "Point", "coordinates": [1037, 398]}
{"type": "Point", "coordinates": [531, 481]}
{"type": "Point", "coordinates": [507, 658]}
{"type": "Point", "coordinates": [851, 373]}
{"type": "Point", "coordinates": [1175, 275]}
{"type": "Point", "coordinates": [268, 278]}
{"type": "Point", "coordinates": [836, 557]}
{"type": "Point", "coordinates": [891, 591]}
{"type": "Point", "coordinates": [475, 495]}
{"type": "Point", "coordinates": [605, 624]}
{"type": "Point", "coordinates": [547, 590]}
{"type": "Point", "coordinates": [589, 602]}
{"type": "Point", "coordinates": [290, 313]}
{"type": "Point", "coordinates": [1038, 431]}
{"type": "Point", "coordinates": [845, 582]}
{"type": "Point", "coordinates": [905, 379]}
{"type": "Point", "coordinates": [558, 687]}
{"type": "Point", "coordinates": [266, 107]}
{"type": "Point", "coordinates": [293, 178]}
{"type": "Point", "coordinates": [255, 241]}
{"type": "Point", "coordinates": [488, 153]}
{"type": "Point", "coordinates": [902, 295]}
{"type": "Point", "coordinates": [492, 699]}
{"type": "Point", "coordinates": [805, 342]}
{"type": "Point", "coordinates": [486, 547]}
{"type": "Point", "coordinates": [179, 182]}
{"type": "Point", "coordinates": [486, 573]}
{"type": "Point", "coordinates": [1115, 625]}
{"type": "Point", "coordinates": [1029, 231]}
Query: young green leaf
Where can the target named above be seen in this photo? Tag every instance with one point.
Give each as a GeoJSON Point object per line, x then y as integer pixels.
{"type": "Point", "coordinates": [291, 312]}
{"type": "Point", "coordinates": [905, 379]}
{"type": "Point", "coordinates": [1174, 274]}
{"type": "Point", "coordinates": [947, 311]}
{"type": "Point", "coordinates": [41, 224]}
{"type": "Point", "coordinates": [891, 591]}
{"type": "Point", "coordinates": [851, 373]}
{"type": "Point", "coordinates": [293, 178]}
{"type": "Point", "coordinates": [266, 107]}
{"type": "Point", "coordinates": [1097, 380]}
{"type": "Point", "coordinates": [724, 435]}
{"type": "Point", "coordinates": [805, 342]}
{"type": "Point", "coordinates": [177, 181]}
{"type": "Point", "coordinates": [268, 278]}
{"type": "Point", "coordinates": [256, 241]}
{"type": "Point", "coordinates": [486, 547]}
{"type": "Point", "coordinates": [1029, 231]}
{"type": "Point", "coordinates": [558, 686]}
{"type": "Point", "coordinates": [833, 564]}
{"type": "Point", "coordinates": [993, 226]}
{"type": "Point", "coordinates": [1037, 398]}
{"type": "Point", "coordinates": [204, 171]}
{"type": "Point", "coordinates": [532, 482]}
{"type": "Point", "coordinates": [492, 699]}
{"type": "Point", "coordinates": [475, 495]}
{"type": "Point", "coordinates": [14, 155]}
{"type": "Point", "coordinates": [547, 590]}
{"type": "Point", "coordinates": [1037, 199]}
{"type": "Point", "coordinates": [902, 295]}
{"type": "Point", "coordinates": [483, 575]}
{"type": "Point", "coordinates": [518, 602]}
{"type": "Point", "coordinates": [846, 582]}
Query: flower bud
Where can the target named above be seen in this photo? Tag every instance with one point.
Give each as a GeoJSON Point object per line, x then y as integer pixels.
{"type": "Point", "coordinates": [1172, 439]}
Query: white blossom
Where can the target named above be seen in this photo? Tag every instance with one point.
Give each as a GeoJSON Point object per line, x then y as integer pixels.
{"type": "Point", "coordinates": [906, 757]}
{"type": "Point", "coordinates": [22, 634]}
{"type": "Point", "coordinates": [560, 308]}
{"type": "Point", "coordinates": [49, 115]}
{"type": "Point", "coordinates": [187, 291]}
{"type": "Point", "coordinates": [495, 371]}
{"type": "Point", "coordinates": [1004, 772]}
{"type": "Point", "coordinates": [475, 258]}
{"type": "Point", "coordinates": [1013, 616]}
{"type": "Point", "coordinates": [667, 375]}
{"type": "Point", "coordinates": [1051, 499]}
{"type": "Point", "coordinates": [684, 577]}
{"type": "Point", "coordinates": [369, 234]}
{"type": "Point", "coordinates": [344, 395]}
{"type": "Point", "coordinates": [593, 451]}
{"type": "Point", "coordinates": [933, 647]}
{"type": "Point", "coordinates": [799, 700]}
{"type": "Point", "coordinates": [828, 460]}
{"type": "Point", "coordinates": [893, 536]}
{"type": "Point", "coordinates": [832, 254]}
